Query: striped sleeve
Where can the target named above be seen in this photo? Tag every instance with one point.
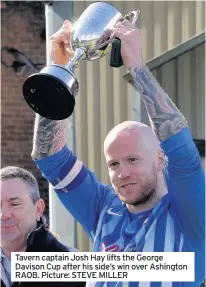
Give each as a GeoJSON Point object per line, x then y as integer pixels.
{"type": "Point", "coordinates": [185, 180]}
{"type": "Point", "coordinates": [77, 187]}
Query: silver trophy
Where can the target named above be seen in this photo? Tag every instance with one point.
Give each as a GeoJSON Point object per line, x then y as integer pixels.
{"type": "Point", "coordinates": [51, 92]}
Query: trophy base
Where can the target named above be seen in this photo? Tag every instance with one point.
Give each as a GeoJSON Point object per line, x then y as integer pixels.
{"type": "Point", "coordinates": [50, 96]}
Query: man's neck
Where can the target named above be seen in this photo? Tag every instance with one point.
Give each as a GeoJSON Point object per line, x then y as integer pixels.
{"type": "Point", "coordinates": [8, 249]}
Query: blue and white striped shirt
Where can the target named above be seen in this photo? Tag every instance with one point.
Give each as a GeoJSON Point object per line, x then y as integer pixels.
{"type": "Point", "coordinates": [175, 224]}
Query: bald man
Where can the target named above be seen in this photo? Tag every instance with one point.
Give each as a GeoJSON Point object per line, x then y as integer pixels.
{"type": "Point", "coordinates": [156, 200]}
{"type": "Point", "coordinates": [136, 179]}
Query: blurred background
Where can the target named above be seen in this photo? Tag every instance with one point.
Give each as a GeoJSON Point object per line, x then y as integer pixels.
{"type": "Point", "coordinates": [173, 47]}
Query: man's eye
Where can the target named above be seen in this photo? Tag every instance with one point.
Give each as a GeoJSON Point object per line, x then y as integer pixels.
{"type": "Point", "coordinates": [113, 164]}
{"type": "Point", "coordinates": [132, 159]}
{"type": "Point", "coordinates": [15, 204]}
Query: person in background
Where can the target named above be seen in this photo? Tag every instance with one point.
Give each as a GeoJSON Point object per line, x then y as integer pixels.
{"type": "Point", "coordinates": [23, 225]}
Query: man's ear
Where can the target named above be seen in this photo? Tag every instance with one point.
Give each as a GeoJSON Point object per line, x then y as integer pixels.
{"type": "Point", "coordinates": [161, 160]}
{"type": "Point", "coordinates": [40, 208]}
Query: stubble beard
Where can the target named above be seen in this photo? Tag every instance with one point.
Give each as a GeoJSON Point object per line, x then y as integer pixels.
{"type": "Point", "coordinates": [147, 190]}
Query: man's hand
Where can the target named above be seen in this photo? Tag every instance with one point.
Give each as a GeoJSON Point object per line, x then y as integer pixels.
{"type": "Point", "coordinates": [131, 44]}
{"type": "Point", "coordinates": [60, 50]}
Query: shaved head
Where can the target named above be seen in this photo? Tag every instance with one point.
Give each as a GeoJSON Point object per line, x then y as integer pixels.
{"type": "Point", "coordinates": [143, 133]}
{"type": "Point", "coordinates": [135, 161]}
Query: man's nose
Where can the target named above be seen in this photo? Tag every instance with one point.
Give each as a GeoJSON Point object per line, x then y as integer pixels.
{"type": "Point", "coordinates": [5, 212]}
{"type": "Point", "coordinates": [123, 172]}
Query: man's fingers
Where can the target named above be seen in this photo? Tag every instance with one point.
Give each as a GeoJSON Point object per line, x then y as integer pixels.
{"type": "Point", "coordinates": [124, 32]}
{"type": "Point", "coordinates": [127, 23]}
{"type": "Point", "coordinates": [60, 37]}
{"type": "Point", "coordinates": [69, 50]}
{"type": "Point", "coordinates": [67, 24]}
{"type": "Point", "coordinates": [60, 49]}
{"type": "Point", "coordinates": [118, 33]}
{"type": "Point", "coordinates": [63, 34]}
{"type": "Point", "coordinates": [124, 25]}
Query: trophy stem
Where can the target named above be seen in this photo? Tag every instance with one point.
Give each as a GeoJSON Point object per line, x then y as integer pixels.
{"type": "Point", "coordinates": [79, 54]}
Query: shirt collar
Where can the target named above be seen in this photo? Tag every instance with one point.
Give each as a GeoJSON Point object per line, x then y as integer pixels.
{"type": "Point", "coordinates": [3, 256]}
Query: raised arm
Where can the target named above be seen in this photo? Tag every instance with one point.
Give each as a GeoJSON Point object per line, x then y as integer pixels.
{"type": "Point", "coordinates": [184, 175]}
{"type": "Point", "coordinates": [51, 136]}
{"type": "Point", "coordinates": [75, 185]}
{"type": "Point", "coordinates": [166, 120]}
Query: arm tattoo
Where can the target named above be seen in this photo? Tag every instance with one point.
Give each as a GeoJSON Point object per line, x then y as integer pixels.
{"type": "Point", "coordinates": [49, 136]}
{"type": "Point", "coordinates": [166, 120]}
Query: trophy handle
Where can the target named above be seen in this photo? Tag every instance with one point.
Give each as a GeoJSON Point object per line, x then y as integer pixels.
{"type": "Point", "coordinates": [116, 58]}
{"type": "Point", "coordinates": [132, 16]}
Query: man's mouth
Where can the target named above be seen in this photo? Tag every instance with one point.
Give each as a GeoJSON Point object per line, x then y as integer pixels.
{"type": "Point", "coordinates": [127, 185]}
{"type": "Point", "coordinates": [7, 226]}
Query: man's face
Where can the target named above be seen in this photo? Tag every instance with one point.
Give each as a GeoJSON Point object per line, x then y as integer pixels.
{"type": "Point", "coordinates": [18, 213]}
{"type": "Point", "coordinates": [132, 168]}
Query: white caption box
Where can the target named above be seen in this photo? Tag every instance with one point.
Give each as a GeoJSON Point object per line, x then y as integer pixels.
{"type": "Point", "coordinates": [102, 266]}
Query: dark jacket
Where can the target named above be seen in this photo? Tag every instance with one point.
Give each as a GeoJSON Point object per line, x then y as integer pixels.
{"type": "Point", "coordinates": [42, 240]}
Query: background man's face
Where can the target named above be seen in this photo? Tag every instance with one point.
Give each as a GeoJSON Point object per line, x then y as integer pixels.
{"type": "Point", "coordinates": [18, 213]}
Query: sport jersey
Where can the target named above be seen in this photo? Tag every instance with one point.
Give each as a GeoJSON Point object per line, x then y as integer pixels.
{"type": "Point", "coordinates": [174, 224]}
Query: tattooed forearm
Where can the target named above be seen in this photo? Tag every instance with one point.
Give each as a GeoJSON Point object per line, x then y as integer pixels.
{"type": "Point", "coordinates": [49, 136]}
{"type": "Point", "coordinates": [166, 120]}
